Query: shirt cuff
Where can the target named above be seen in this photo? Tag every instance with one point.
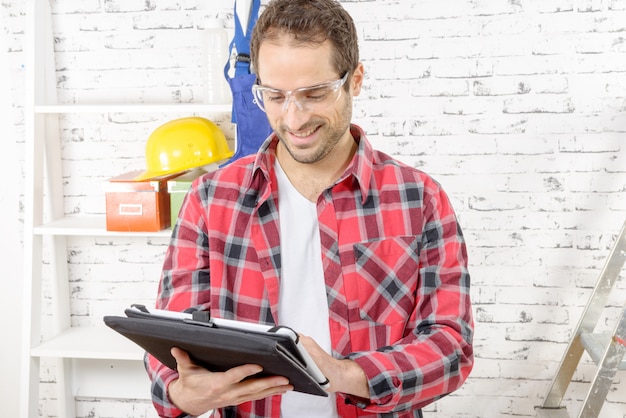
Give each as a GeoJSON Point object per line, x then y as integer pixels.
{"type": "Point", "coordinates": [356, 401]}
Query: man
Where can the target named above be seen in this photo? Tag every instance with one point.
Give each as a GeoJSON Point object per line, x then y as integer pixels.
{"type": "Point", "coordinates": [359, 253]}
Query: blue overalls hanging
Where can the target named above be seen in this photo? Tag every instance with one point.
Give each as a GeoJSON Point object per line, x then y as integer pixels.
{"type": "Point", "coordinates": [252, 125]}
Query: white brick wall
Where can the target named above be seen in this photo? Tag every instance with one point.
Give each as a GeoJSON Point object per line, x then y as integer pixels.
{"type": "Point", "coordinates": [518, 108]}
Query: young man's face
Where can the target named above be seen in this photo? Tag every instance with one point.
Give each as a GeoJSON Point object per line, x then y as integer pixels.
{"type": "Point", "coordinates": [311, 133]}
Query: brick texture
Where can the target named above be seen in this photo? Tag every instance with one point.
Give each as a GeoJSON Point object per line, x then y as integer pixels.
{"type": "Point", "coordinates": [517, 108]}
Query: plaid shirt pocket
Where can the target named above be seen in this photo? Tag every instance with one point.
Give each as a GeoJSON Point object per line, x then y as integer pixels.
{"type": "Point", "coordinates": [388, 272]}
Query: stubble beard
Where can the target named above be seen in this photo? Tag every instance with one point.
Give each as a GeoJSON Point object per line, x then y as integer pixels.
{"type": "Point", "coordinates": [332, 137]}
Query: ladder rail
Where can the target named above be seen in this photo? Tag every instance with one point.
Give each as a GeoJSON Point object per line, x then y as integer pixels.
{"type": "Point", "coordinates": [588, 321]}
{"type": "Point", "coordinates": [565, 373]}
{"type": "Point", "coordinates": [607, 367]}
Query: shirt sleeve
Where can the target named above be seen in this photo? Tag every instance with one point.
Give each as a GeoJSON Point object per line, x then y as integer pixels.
{"type": "Point", "coordinates": [435, 357]}
{"type": "Point", "coordinates": [184, 284]}
{"type": "Point", "coordinates": [161, 376]}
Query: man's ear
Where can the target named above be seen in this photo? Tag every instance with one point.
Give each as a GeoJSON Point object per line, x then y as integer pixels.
{"type": "Point", "coordinates": [356, 81]}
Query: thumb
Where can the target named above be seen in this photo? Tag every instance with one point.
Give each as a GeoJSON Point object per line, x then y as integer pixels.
{"type": "Point", "coordinates": [181, 357]}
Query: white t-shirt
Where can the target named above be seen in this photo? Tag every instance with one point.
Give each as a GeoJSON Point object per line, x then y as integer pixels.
{"type": "Point", "coordinates": [302, 304]}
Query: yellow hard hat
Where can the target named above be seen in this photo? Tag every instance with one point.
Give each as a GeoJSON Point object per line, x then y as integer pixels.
{"type": "Point", "coordinates": [182, 144]}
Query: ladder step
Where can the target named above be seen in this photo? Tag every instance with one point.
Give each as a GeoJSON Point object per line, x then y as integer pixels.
{"type": "Point", "coordinates": [595, 344]}
{"type": "Point", "coordinates": [551, 413]}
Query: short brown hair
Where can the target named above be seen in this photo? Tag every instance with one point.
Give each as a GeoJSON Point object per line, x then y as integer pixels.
{"type": "Point", "coordinates": [309, 22]}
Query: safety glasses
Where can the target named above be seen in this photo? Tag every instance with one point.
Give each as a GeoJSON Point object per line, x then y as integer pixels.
{"type": "Point", "coordinates": [308, 99]}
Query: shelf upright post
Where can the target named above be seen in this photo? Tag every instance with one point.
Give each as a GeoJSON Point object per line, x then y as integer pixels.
{"type": "Point", "coordinates": [42, 162]}
{"type": "Point", "coordinates": [33, 212]}
{"type": "Point", "coordinates": [60, 291]}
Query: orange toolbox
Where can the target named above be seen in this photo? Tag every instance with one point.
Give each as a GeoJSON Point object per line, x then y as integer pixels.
{"type": "Point", "coordinates": [137, 206]}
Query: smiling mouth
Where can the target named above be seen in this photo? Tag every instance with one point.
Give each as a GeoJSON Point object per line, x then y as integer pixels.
{"type": "Point", "coordinates": [304, 134]}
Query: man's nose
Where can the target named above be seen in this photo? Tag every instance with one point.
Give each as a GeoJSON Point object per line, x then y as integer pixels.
{"type": "Point", "coordinates": [291, 98]}
{"type": "Point", "coordinates": [294, 116]}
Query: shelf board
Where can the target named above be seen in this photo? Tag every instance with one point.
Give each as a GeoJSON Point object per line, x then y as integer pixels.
{"type": "Point", "coordinates": [97, 342]}
{"type": "Point", "coordinates": [89, 225]}
{"type": "Point", "coordinates": [133, 108]}
{"type": "Point", "coordinates": [106, 378]}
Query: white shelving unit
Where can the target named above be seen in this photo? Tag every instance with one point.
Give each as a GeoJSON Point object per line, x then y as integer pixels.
{"type": "Point", "coordinates": [90, 361]}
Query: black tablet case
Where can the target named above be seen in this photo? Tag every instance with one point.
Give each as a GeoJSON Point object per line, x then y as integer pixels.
{"type": "Point", "coordinates": [218, 349]}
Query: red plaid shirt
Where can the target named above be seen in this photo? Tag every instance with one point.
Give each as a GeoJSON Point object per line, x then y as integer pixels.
{"type": "Point", "coordinates": [395, 268]}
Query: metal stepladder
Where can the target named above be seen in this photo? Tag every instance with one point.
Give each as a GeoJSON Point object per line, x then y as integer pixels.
{"type": "Point", "coordinates": [606, 349]}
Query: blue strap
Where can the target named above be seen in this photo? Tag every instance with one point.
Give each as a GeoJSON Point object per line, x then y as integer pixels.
{"type": "Point", "coordinates": [241, 42]}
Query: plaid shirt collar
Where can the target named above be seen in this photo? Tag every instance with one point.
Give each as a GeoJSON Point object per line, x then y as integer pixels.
{"type": "Point", "coordinates": [360, 167]}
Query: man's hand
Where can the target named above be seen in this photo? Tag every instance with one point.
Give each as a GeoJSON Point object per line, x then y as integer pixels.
{"type": "Point", "coordinates": [198, 390]}
{"type": "Point", "coordinates": [345, 376]}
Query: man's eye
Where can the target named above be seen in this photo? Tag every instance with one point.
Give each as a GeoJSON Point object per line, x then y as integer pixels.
{"type": "Point", "coordinates": [316, 94]}
{"type": "Point", "coordinates": [274, 97]}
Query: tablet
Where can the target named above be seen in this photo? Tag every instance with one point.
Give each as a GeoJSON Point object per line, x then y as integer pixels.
{"type": "Point", "coordinates": [220, 344]}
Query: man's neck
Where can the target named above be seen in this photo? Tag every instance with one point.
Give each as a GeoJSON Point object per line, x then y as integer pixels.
{"type": "Point", "coordinates": [311, 179]}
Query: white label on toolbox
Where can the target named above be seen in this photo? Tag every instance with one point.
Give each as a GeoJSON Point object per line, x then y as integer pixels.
{"type": "Point", "coordinates": [134, 209]}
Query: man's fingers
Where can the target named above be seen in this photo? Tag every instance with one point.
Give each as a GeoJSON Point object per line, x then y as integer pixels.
{"type": "Point", "coordinates": [234, 375]}
{"type": "Point", "coordinates": [255, 389]}
{"type": "Point", "coordinates": [239, 373]}
{"type": "Point", "coordinates": [231, 387]}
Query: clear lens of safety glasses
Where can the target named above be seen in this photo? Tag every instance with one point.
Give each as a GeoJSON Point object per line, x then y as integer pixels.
{"type": "Point", "coordinates": [307, 99]}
